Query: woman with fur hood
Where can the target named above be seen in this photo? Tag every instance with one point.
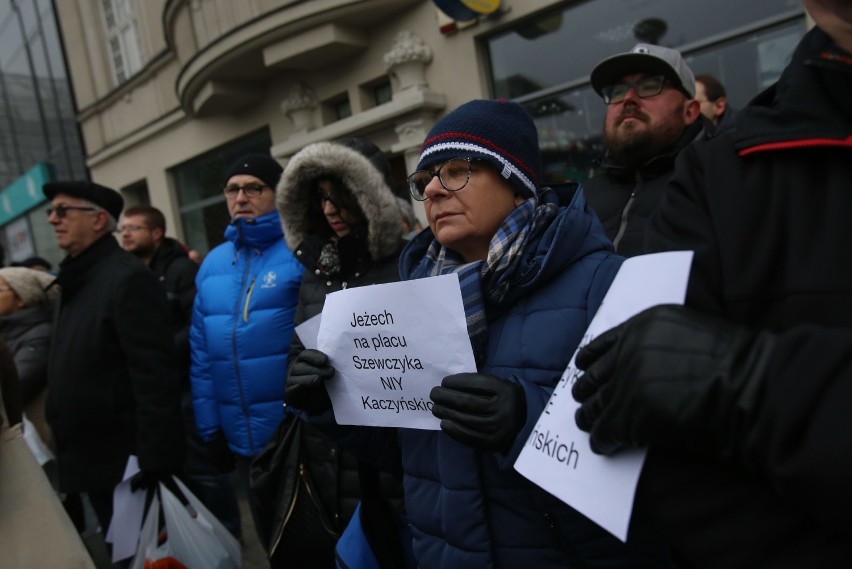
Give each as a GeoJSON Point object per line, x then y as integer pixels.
{"type": "Point", "coordinates": [343, 223]}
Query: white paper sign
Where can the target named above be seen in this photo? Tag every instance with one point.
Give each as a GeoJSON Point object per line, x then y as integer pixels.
{"type": "Point", "coordinates": [128, 509]}
{"type": "Point", "coordinates": [557, 456]}
{"type": "Point", "coordinates": [391, 344]}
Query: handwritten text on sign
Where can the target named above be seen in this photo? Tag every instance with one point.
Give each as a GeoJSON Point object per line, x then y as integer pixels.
{"type": "Point", "coordinates": [557, 456]}
{"type": "Point", "coordinates": [391, 344]}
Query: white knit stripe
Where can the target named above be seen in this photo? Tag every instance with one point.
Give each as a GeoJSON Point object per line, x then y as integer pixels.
{"type": "Point", "coordinates": [469, 147]}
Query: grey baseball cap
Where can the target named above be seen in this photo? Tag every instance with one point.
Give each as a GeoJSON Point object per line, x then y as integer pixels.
{"type": "Point", "coordinates": [645, 58]}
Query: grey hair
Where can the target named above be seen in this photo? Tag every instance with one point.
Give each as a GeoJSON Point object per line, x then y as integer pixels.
{"type": "Point", "coordinates": [112, 222]}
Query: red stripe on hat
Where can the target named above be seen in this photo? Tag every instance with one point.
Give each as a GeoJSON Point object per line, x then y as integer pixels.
{"type": "Point", "coordinates": [483, 141]}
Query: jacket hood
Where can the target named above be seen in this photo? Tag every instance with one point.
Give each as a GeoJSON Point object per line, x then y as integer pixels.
{"type": "Point", "coordinates": [359, 174]}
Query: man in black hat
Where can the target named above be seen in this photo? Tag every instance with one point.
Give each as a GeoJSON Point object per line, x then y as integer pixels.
{"type": "Point", "coordinates": [113, 389]}
{"type": "Point", "coordinates": [651, 115]}
{"type": "Point", "coordinates": [242, 322]}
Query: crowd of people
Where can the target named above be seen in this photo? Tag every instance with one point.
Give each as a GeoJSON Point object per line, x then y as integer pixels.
{"type": "Point", "coordinates": [132, 348]}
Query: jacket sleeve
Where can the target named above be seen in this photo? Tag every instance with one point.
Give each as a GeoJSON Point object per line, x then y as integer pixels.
{"type": "Point", "coordinates": [143, 330]}
{"type": "Point", "coordinates": [797, 441]}
{"type": "Point", "coordinates": [682, 223]}
{"type": "Point", "coordinates": [185, 290]}
{"type": "Point", "coordinates": [31, 363]}
{"type": "Point", "coordinates": [203, 393]}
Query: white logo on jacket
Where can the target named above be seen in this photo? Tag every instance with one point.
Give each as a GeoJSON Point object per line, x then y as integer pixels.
{"type": "Point", "coordinates": [269, 280]}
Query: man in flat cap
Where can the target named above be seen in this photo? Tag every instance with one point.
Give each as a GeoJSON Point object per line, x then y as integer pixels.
{"type": "Point", "coordinates": [113, 389]}
{"type": "Point", "coordinates": [651, 116]}
{"type": "Point", "coordinates": [242, 322]}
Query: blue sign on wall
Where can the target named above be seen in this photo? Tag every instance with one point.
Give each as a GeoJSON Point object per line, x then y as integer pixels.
{"type": "Point", "coordinates": [24, 193]}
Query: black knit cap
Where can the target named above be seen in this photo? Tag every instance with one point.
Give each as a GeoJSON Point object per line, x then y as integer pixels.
{"type": "Point", "coordinates": [102, 196]}
{"type": "Point", "coordinates": [261, 166]}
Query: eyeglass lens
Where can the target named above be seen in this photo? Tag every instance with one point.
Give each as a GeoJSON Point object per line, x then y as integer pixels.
{"type": "Point", "coordinates": [250, 190]}
{"type": "Point", "coordinates": [62, 210]}
{"type": "Point", "coordinates": [453, 175]}
{"type": "Point", "coordinates": [644, 88]}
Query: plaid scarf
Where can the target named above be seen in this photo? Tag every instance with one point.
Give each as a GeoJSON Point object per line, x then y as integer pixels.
{"type": "Point", "coordinates": [490, 282]}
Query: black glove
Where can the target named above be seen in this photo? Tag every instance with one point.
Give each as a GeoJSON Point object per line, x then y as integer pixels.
{"type": "Point", "coordinates": [219, 455]}
{"type": "Point", "coordinates": [482, 411]}
{"type": "Point", "coordinates": [671, 377]}
{"type": "Point", "coordinates": [305, 389]}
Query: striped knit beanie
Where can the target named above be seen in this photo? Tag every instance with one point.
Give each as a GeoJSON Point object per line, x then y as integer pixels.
{"type": "Point", "coordinates": [501, 132]}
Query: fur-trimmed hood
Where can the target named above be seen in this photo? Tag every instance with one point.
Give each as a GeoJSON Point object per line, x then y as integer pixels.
{"type": "Point", "coordinates": [359, 174]}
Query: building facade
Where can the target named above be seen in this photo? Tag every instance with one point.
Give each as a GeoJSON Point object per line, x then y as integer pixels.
{"type": "Point", "coordinates": [169, 92]}
{"type": "Point", "coordinates": [39, 137]}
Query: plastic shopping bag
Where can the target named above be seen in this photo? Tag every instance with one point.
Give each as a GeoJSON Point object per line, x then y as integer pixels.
{"type": "Point", "coordinates": [192, 538]}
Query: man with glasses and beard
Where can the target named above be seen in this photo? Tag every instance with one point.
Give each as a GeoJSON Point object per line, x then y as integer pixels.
{"type": "Point", "coordinates": [651, 116]}
{"type": "Point", "coordinates": [113, 389]}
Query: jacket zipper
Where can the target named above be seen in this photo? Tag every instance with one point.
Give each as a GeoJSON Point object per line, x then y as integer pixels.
{"type": "Point", "coordinates": [306, 481]}
{"type": "Point", "coordinates": [237, 376]}
{"type": "Point", "coordinates": [248, 299]}
{"type": "Point", "coordinates": [287, 517]}
{"type": "Point", "coordinates": [624, 215]}
{"type": "Point", "coordinates": [317, 504]}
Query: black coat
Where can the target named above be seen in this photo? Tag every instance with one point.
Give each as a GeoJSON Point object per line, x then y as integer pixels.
{"type": "Point", "coordinates": [113, 386]}
{"type": "Point", "coordinates": [766, 208]}
{"type": "Point", "coordinates": [625, 198]}
{"type": "Point", "coordinates": [176, 272]}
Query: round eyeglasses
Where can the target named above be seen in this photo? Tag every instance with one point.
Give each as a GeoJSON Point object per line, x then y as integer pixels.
{"type": "Point", "coordinates": [453, 174]}
{"type": "Point", "coordinates": [644, 88]}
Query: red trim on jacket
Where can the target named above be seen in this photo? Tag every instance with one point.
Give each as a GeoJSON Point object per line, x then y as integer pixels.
{"type": "Point", "coordinates": [802, 143]}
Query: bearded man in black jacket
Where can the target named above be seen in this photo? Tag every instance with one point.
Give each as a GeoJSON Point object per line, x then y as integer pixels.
{"type": "Point", "coordinates": [743, 395]}
{"type": "Point", "coordinates": [113, 388]}
{"type": "Point", "coordinates": [651, 115]}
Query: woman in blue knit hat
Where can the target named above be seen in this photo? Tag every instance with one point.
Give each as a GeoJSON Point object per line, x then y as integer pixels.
{"type": "Point", "coordinates": [534, 265]}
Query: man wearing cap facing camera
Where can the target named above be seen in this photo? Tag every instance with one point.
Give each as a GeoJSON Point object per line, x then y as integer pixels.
{"type": "Point", "coordinates": [113, 389]}
{"type": "Point", "coordinates": [242, 322]}
{"type": "Point", "coordinates": [651, 115]}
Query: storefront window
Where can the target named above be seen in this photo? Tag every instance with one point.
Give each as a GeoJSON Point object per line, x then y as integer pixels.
{"type": "Point", "coordinates": [544, 62]}
{"type": "Point", "coordinates": [198, 184]}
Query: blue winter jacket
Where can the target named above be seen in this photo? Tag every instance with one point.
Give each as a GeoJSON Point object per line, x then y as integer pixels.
{"type": "Point", "coordinates": [470, 508]}
{"type": "Point", "coordinates": [242, 322]}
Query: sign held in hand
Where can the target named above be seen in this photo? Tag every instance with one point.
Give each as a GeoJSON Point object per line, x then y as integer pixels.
{"type": "Point", "coordinates": [391, 344]}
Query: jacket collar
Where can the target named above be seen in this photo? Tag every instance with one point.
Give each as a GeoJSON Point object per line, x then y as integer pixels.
{"type": "Point", "coordinates": [74, 271]}
{"type": "Point", "coordinates": [259, 233]}
{"type": "Point", "coordinates": [809, 105]}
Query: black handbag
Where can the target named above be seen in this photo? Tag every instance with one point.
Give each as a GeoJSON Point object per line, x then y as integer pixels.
{"type": "Point", "coordinates": [293, 514]}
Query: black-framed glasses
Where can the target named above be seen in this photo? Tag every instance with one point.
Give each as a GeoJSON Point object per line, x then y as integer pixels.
{"type": "Point", "coordinates": [453, 174]}
{"type": "Point", "coordinates": [62, 210]}
{"type": "Point", "coordinates": [644, 88]}
{"type": "Point", "coordinates": [250, 190]}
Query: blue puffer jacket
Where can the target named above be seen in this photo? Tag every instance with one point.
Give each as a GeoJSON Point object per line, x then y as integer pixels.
{"type": "Point", "coordinates": [470, 508]}
{"type": "Point", "coordinates": [242, 321]}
